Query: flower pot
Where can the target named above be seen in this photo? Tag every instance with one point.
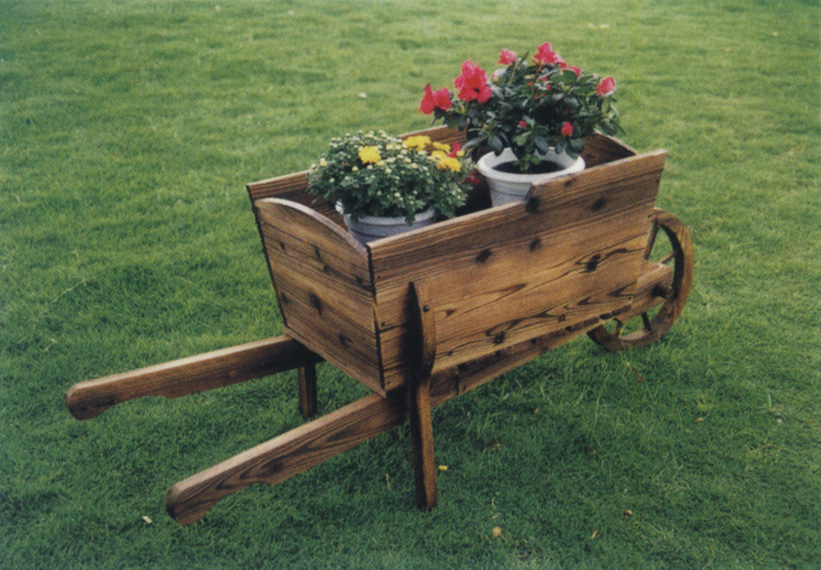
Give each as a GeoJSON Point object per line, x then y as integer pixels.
{"type": "Point", "coordinates": [506, 187]}
{"type": "Point", "coordinates": [368, 228]}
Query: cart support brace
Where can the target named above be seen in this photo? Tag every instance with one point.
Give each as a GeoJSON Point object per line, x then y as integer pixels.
{"type": "Point", "coordinates": [419, 403]}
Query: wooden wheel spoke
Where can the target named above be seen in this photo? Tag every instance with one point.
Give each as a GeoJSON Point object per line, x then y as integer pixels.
{"type": "Point", "coordinates": [667, 257]}
{"type": "Point", "coordinates": [651, 239]}
{"type": "Point", "coordinates": [648, 326]}
{"type": "Point", "coordinates": [617, 330]}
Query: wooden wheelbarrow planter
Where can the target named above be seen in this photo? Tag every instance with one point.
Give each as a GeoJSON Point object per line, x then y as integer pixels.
{"type": "Point", "coordinates": [427, 315]}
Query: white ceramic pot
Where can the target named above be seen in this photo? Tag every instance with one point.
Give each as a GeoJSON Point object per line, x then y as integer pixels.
{"type": "Point", "coordinates": [369, 228]}
{"type": "Point", "coordinates": [506, 187]}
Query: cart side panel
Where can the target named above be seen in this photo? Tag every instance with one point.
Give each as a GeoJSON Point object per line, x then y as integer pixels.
{"type": "Point", "coordinates": [323, 286]}
{"type": "Point", "coordinates": [496, 278]}
{"type": "Point", "coordinates": [292, 187]}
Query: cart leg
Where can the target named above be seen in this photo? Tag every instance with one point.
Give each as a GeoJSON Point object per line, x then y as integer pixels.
{"type": "Point", "coordinates": [419, 402]}
{"type": "Point", "coordinates": [307, 391]}
{"type": "Point", "coordinates": [424, 465]}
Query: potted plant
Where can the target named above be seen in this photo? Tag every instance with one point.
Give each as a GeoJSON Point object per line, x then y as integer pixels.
{"type": "Point", "coordinates": [533, 114]}
{"type": "Point", "coordinates": [383, 185]}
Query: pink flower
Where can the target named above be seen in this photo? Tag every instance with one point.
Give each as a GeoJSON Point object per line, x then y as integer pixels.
{"type": "Point", "coordinates": [507, 57]}
{"type": "Point", "coordinates": [435, 99]}
{"type": "Point", "coordinates": [576, 70]}
{"type": "Point", "coordinates": [567, 129]}
{"type": "Point", "coordinates": [606, 87]}
{"type": "Point", "coordinates": [522, 124]}
{"type": "Point", "coordinates": [545, 55]}
{"type": "Point", "coordinates": [472, 84]}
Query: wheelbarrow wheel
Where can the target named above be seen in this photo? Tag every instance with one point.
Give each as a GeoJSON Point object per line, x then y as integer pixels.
{"type": "Point", "coordinates": [676, 252]}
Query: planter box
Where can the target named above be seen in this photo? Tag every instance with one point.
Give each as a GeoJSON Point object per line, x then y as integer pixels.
{"type": "Point", "coordinates": [565, 260]}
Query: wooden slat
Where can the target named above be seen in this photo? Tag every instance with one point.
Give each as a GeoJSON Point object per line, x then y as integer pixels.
{"type": "Point", "coordinates": [185, 376]}
{"type": "Point", "coordinates": [323, 286]}
{"type": "Point", "coordinates": [504, 275]}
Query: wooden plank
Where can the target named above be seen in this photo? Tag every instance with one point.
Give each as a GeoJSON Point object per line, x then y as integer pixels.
{"type": "Point", "coordinates": [576, 246]}
{"type": "Point", "coordinates": [655, 282]}
{"type": "Point", "coordinates": [423, 339]}
{"type": "Point", "coordinates": [185, 376]}
{"type": "Point", "coordinates": [292, 187]}
{"type": "Point", "coordinates": [600, 149]}
{"type": "Point", "coordinates": [449, 383]}
{"type": "Point", "coordinates": [323, 286]}
{"type": "Point", "coordinates": [286, 455]}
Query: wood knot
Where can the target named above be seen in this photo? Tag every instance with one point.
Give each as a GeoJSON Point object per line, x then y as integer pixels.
{"type": "Point", "coordinates": [532, 205]}
{"type": "Point", "coordinates": [483, 255]}
{"type": "Point", "coordinates": [316, 303]}
{"type": "Point", "coordinates": [282, 245]}
{"type": "Point", "coordinates": [660, 291]}
{"type": "Point", "coordinates": [343, 340]}
{"type": "Point", "coordinates": [317, 252]}
{"type": "Point", "coordinates": [499, 338]}
{"type": "Point", "coordinates": [593, 263]}
{"type": "Point", "coordinates": [283, 298]}
{"type": "Point", "coordinates": [598, 204]}
{"type": "Point", "coordinates": [535, 244]}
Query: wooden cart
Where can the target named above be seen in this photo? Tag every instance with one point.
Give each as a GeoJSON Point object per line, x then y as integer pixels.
{"type": "Point", "coordinates": [427, 315]}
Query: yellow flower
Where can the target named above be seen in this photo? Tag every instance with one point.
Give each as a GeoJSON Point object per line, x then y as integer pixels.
{"type": "Point", "coordinates": [450, 163]}
{"type": "Point", "coordinates": [438, 155]}
{"type": "Point", "coordinates": [419, 142]}
{"type": "Point", "coordinates": [442, 146]}
{"type": "Point", "coordinates": [369, 154]}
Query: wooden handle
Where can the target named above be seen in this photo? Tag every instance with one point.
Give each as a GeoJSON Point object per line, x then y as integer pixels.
{"type": "Point", "coordinates": [286, 455]}
{"type": "Point", "coordinates": [207, 371]}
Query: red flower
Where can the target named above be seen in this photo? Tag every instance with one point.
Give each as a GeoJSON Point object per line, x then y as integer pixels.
{"type": "Point", "coordinates": [472, 84]}
{"type": "Point", "coordinates": [454, 150]}
{"type": "Point", "coordinates": [507, 57]}
{"type": "Point", "coordinates": [473, 179]}
{"type": "Point", "coordinates": [576, 70]}
{"type": "Point", "coordinates": [545, 55]}
{"type": "Point", "coordinates": [434, 99]}
{"type": "Point", "coordinates": [523, 124]}
{"type": "Point", "coordinates": [567, 129]}
{"type": "Point", "coordinates": [606, 87]}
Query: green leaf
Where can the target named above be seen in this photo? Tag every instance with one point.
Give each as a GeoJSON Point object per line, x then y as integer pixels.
{"type": "Point", "coordinates": [496, 144]}
{"type": "Point", "coordinates": [541, 144]}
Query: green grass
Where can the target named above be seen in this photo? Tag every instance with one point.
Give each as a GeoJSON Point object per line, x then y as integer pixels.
{"type": "Point", "coordinates": [127, 133]}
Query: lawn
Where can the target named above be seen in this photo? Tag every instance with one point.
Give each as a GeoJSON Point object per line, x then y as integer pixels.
{"type": "Point", "coordinates": [127, 133]}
